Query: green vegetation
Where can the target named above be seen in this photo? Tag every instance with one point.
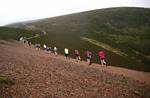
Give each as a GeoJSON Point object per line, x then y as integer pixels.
{"type": "Point", "coordinates": [118, 31]}
{"type": "Point", "coordinates": [14, 34]}
{"type": "Point", "coordinates": [105, 46]}
{"type": "Point", "coordinates": [5, 80]}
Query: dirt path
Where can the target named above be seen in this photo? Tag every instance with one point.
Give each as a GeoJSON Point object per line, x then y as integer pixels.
{"type": "Point", "coordinates": [133, 74]}
{"type": "Point", "coordinates": [38, 74]}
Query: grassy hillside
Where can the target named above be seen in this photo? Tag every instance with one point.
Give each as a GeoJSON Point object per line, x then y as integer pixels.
{"type": "Point", "coordinates": [15, 33]}
{"type": "Point", "coordinates": [124, 33]}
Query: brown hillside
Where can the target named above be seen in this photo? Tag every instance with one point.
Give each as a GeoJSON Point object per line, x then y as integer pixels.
{"type": "Point", "coordinates": [37, 74]}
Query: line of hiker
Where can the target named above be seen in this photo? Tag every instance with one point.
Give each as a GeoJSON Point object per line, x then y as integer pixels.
{"type": "Point", "coordinates": [88, 54]}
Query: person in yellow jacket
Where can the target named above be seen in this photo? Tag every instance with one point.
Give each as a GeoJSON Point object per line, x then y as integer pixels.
{"type": "Point", "coordinates": [66, 52]}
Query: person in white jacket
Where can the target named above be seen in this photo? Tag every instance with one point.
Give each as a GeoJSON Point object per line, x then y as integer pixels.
{"type": "Point", "coordinates": [55, 51]}
{"type": "Point", "coordinates": [66, 52]}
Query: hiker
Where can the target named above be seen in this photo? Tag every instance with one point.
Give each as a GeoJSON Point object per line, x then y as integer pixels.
{"type": "Point", "coordinates": [88, 55]}
{"type": "Point", "coordinates": [37, 46]}
{"type": "Point", "coordinates": [77, 54]}
{"type": "Point", "coordinates": [29, 43]}
{"type": "Point", "coordinates": [101, 55]}
{"type": "Point", "coordinates": [49, 49]}
{"type": "Point", "coordinates": [55, 51]}
{"type": "Point", "coordinates": [44, 47]}
{"type": "Point", "coordinates": [21, 39]}
{"type": "Point", "coordinates": [66, 52]}
{"type": "Point", "coordinates": [24, 40]}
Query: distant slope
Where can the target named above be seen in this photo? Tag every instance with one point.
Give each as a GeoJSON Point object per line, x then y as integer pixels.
{"type": "Point", "coordinates": [15, 33]}
{"type": "Point", "coordinates": [126, 30]}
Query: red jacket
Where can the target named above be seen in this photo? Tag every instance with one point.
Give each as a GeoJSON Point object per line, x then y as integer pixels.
{"type": "Point", "coordinates": [88, 53]}
{"type": "Point", "coordinates": [101, 54]}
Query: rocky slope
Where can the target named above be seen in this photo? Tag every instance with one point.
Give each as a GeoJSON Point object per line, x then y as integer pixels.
{"type": "Point", "coordinates": [37, 74]}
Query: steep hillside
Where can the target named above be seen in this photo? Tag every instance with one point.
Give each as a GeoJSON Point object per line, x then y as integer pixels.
{"type": "Point", "coordinates": [124, 33]}
{"type": "Point", "coordinates": [29, 73]}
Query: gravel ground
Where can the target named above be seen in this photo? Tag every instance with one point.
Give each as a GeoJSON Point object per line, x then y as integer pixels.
{"type": "Point", "coordinates": [37, 74]}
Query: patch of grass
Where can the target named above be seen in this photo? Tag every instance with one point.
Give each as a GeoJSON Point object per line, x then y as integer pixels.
{"type": "Point", "coordinates": [14, 34]}
{"type": "Point", "coordinates": [105, 46]}
{"type": "Point", "coordinates": [5, 80]}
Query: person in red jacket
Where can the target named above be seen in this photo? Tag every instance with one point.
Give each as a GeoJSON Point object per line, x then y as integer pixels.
{"type": "Point", "coordinates": [88, 55]}
{"type": "Point", "coordinates": [101, 55]}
